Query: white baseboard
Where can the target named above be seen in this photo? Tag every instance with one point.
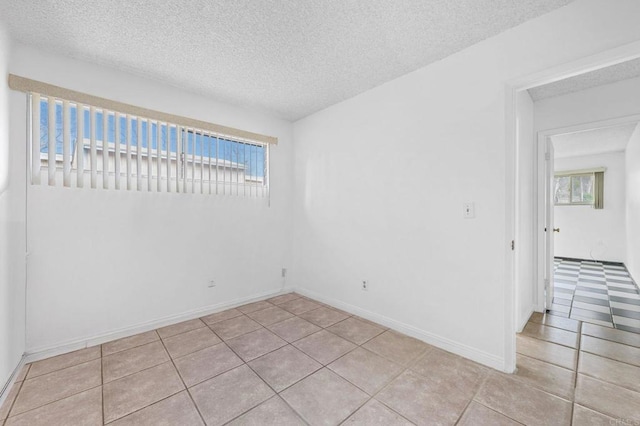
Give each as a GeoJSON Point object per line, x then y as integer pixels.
{"type": "Point", "coordinates": [6, 388]}
{"type": "Point", "coordinates": [427, 337]}
{"type": "Point", "coordinates": [523, 321]}
{"type": "Point", "coordinates": [448, 345]}
{"type": "Point", "coordinates": [85, 342]}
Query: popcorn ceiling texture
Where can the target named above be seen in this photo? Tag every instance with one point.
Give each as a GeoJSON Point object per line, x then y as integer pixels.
{"type": "Point", "coordinates": [622, 71]}
{"type": "Point", "coordinates": [290, 57]}
{"type": "Point", "coordinates": [591, 142]}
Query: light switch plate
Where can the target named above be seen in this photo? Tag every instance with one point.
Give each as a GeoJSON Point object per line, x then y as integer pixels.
{"type": "Point", "coordinates": [468, 210]}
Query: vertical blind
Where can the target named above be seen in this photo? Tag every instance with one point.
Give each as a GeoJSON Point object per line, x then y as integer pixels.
{"type": "Point", "coordinates": [86, 146]}
{"type": "Point", "coordinates": [598, 190]}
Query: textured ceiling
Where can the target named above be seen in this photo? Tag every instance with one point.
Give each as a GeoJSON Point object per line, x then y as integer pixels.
{"type": "Point", "coordinates": [622, 71]}
{"type": "Point", "coordinates": [290, 57]}
{"type": "Point", "coordinates": [590, 142]}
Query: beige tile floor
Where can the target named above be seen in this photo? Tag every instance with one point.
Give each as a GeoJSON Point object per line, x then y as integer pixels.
{"type": "Point", "coordinates": [293, 361]}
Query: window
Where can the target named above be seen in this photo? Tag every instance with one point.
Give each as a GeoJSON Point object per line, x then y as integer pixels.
{"type": "Point", "coordinates": [578, 188]}
{"type": "Point", "coordinates": [574, 189]}
{"type": "Point", "coordinates": [120, 151]}
{"type": "Point", "coordinates": [82, 141]}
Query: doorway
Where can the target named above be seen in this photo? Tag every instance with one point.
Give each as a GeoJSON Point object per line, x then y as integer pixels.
{"type": "Point", "coordinates": [585, 208]}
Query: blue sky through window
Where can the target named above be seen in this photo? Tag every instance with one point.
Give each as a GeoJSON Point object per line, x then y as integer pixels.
{"type": "Point", "coordinates": [251, 156]}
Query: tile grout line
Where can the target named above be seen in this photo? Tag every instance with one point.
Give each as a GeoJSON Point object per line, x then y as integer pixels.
{"type": "Point", "coordinates": [14, 400]}
{"type": "Point", "coordinates": [102, 384]}
{"type": "Point", "coordinates": [610, 338]}
{"type": "Point", "coordinates": [580, 335]}
{"type": "Point", "coordinates": [51, 402]}
{"type": "Point", "coordinates": [65, 368]}
{"type": "Point", "coordinates": [132, 347]}
{"type": "Point", "coordinates": [276, 394]}
{"type": "Point", "coordinates": [542, 360]}
{"type": "Point", "coordinates": [268, 385]}
{"type": "Point", "coordinates": [613, 359]}
{"type": "Point", "coordinates": [406, 368]}
{"type": "Point", "coordinates": [473, 399]}
{"type": "Point", "coordinates": [139, 371]}
{"type": "Point", "coordinates": [535, 388]}
{"type": "Point", "coordinates": [575, 377]}
{"type": "Point", "coordinates": [613, 319]}
{"type": "Point", "coordinates": [546, 362]}
{"type": "Point", "coordinates": [573, 295]}
{"type": "Point", "coordinates": [549, 341]}
{"type": "Point", "coordinates": [165, 362]}
{"type": "Point", "coordinates": [59, 399]}
{"type": "Point", "coordinates": [572, 400]}
{"type": "Point", "coordinates": [552, 326]}
{"type": "Point", "coordinates": [607, 381]}
{"type": "Point", "coordinates": [524, 382]}
{"type": "Point", "coordinates": [148, 368]}
{"type": "Point", "coordinates": [153, 403]}
{"type": "Point", "coordinates": [309, 356]}
{"type": "Point", "coordinates": [178, 334]}
{"type": "Point", "coordinates": [182, 380]}
{"type": "Point", "coordinates": [241, 334]}
{"type": "Point", "coordinates": [311, 373]}
{"type": "Point", "coordinates": [386, 385]}
{"type": "Point", "coordinates": [142, 408]}
{"type": "Point", "coordinates": [548, 392]}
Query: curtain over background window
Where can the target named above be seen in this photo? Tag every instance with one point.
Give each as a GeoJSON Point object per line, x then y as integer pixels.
{"type": "Point", "coordinates": [598, 190]}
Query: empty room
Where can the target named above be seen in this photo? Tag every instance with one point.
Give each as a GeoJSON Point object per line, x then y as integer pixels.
{"type": "Point", "coordinates": [319, 213]}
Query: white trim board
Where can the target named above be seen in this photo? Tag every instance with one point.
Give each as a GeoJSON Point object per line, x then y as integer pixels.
{"type": "Point", "coordinates": [4, 392]}
{"type": "Point", "coordinates": [591, 125]}
{"type": "Point", "coordinates": [522, 322]}
{"type": "Point", "coordinates": [425, 336]}
{"type": "Point", "coordinates": [85, 342]}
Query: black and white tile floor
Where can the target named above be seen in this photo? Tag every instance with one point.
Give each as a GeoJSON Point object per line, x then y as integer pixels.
{"type": "Point", "coordinates": [597, 293]}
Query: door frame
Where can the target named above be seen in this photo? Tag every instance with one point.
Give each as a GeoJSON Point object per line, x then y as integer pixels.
{"type": "Point", "coordinates": [512, 88]}
{"type": "Point", "coordinates": [544, 231]}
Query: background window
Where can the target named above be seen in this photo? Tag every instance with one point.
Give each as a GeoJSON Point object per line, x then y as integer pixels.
{"type": "Point", "coordinates": [579, 189]}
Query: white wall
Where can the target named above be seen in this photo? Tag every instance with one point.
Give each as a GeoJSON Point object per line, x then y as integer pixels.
{"type": "Point", "coordinates": [587, 233]}
{"type": "Point", "coordinates": [12, 235]}
{"type": "Point", "coordinates": [632, 174]}
{"type": "Point", "coordinates": [439, 134]}
{"type": "Point", "coordinates": [524, 261]}
{"type": "Point", "coordinates": [105, 261]}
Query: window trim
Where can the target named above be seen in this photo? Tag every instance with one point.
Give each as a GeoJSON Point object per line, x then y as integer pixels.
{"type": "Point", "coordinates": [27, 85]}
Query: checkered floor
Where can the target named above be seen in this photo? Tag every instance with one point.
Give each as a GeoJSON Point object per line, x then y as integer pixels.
{"type": "Point", "coordinates": [597, 293]}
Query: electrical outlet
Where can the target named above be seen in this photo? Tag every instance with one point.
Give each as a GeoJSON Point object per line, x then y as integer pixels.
{"type": "Point", "coordinates": [365, 285]}
{"type": "Point", "coordinates": [211, 284]}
